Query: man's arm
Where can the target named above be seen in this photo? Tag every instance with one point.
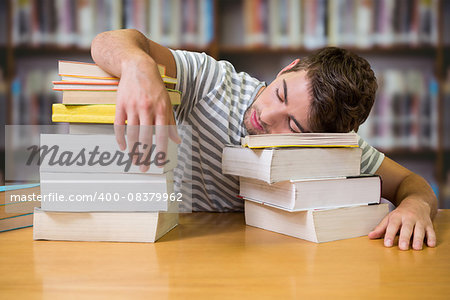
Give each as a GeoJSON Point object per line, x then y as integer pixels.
{"type": "Point", "coordinates": [416, 207]}
{"type": "Point", "coordinates": [142, 98]}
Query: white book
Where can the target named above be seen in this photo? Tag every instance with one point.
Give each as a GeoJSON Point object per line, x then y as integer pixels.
{"type": "Point", "coordinates": [300, 140]}
{"type": "Point", "coordinates": [317, 225]}
{"type": "Point", "coordinates": [299, 195]}
{"type": "Point", "coordinates": [273, 165]}
{"type": "Point", "coordinates": [155, 20]}
{"type": "Point", "coordinates": [90, 80]}
{"type": "Point", "coordinates": [364, 23]}
{"type": "Point", "coordinates": [90, 128]}
{"type": "Point", "coordinates": [85, 23]}
{"type": "Point", "coordinates": [87, 153]}
{"type": "Point", "coordinates": [102, 226]}
{"type": "Point", "coordinates": [295, 21]}
{"type": "Point", "coordinates": [87, 192]}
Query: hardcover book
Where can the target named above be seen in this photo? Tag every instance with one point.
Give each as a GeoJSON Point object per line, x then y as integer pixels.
{"type": "Point", "coordinates": [273, 165]}
{"type": "Point", "coordinates": [317, 225]}
{"type": "Point", "coordinates": [95, 153]}
{"type": "Point", "coordinates": [299, 195]}
{"type": "Point", "coordinates": [300, 140]}
{"type": "Point", "coordinates": [144, 227]}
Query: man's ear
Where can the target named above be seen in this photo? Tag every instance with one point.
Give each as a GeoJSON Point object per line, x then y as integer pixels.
{"type": "Point", "coordinates": [290, 66]}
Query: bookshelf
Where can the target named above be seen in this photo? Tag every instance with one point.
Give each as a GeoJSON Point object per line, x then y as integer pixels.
{"type": "Point", "coordinates": [245, 33]}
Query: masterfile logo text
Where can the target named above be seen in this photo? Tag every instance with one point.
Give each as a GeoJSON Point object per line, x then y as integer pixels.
{"type": "Point", "coordinates": [96, 157]}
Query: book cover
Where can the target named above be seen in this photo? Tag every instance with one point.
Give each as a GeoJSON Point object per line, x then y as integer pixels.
{"type": "Point", "coordinates": [317, 225]}
{"type": "Point", "coordinates": [300, 140]}
{"type": "Point", "coordinates": [108, 192]}
{"type": "Point", "coordinates": [299, 195]}
{"type": "Point", "coordinates": [95, 153]}
{"type": "Point", "coordinates": [273, 165]}
{"type": "Point", "coordinates": [143, 227]}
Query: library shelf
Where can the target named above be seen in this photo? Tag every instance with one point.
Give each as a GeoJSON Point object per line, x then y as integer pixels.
{"type": "Point", "coordinates": [394, 50]}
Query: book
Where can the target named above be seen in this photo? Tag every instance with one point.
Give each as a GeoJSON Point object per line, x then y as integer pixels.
{"type": "Point", "coordinates": [273, 165]}
{"type": "Point", "coordinates": [16, 222]}
{"type": "Point", "coordinates": [102, 113]}
{"type": "Point", "coordinates": [94, 154]}
{"type": "Point", "coordinates": [317, 225]}
{"type": "Point", "coordinates": [104, 97]}
{"type": "Point", "coordinates": [84, 86]}
{"type": "Point", "coordinates": [86, 71]}
{"type": "Point", "coordinates": [88, 128]}
{"type": "Point", "coordinates": [107, 192]}
{"type": "Point", "coordinates": [17, 209]}
{"type": "Point", "coordinates": [103, 226]}
{"type": "Point", "coordinates": [83, 79]}
{"type": "Point", "coordinates": [301, 140]}
{"type": "Point", "coordinates": [17, 200]}
{"type": "Point", "coordinates": [299, 195]}
{"type": "Point", "coordinates": [5, 188]}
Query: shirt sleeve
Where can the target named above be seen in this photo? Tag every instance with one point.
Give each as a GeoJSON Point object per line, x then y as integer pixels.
{"type": "Point", "coordinates": [371, 158]}
{"type": "Point", "coordinates": [197, 75]}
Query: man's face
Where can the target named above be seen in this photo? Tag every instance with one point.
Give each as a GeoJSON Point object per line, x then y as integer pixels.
{"type": "Point", "coordinates": [282, 107]}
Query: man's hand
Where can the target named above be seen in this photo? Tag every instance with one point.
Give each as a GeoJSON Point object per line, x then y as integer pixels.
{"type": "Point", "coordinates": [416, 206]}
{"type": "Point", "coordinates": [411, 219]}
{"type": "Point", "coordinates": [143, 101]}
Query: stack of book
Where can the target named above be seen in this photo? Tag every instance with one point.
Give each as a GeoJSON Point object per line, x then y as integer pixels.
{"type": "Point", "coordinates": [306, 185]}
{"type": "Point", "coordinates": [17, 203]}
{"type": "Point", "coordinates": [91, 190]}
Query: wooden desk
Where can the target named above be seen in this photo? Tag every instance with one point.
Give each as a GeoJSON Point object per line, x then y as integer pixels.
{"type": "Point", "coordinates": [213, 255]}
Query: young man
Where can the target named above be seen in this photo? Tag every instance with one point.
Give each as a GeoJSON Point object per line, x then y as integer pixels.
{"type": "Point", "coordinates": [330, 91]}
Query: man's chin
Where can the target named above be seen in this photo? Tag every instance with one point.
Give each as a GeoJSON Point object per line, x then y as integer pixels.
{"type": "Point", "coordinates": [252, 131]}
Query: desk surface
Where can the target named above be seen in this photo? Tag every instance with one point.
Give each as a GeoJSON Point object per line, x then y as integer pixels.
{"type": "Point", "coordinates": [213, 254]}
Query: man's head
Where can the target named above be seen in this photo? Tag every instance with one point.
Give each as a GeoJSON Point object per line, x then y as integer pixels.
{"type": "Point", "coordinates": [331, 90]}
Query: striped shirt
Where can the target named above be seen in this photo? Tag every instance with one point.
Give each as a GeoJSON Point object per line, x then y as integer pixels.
{"type": "Point", "coordinates": [214, 99]}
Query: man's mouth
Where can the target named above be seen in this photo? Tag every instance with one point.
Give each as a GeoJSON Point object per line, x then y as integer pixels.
{"type": "Point", "coordinates": [255, 122]}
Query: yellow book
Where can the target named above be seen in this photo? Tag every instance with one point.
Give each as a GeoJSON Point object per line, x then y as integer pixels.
{"type": "Point", "coordinates": [91, 113]}
{"type": "Point", "coordinates": [95, 113]}
{"type": "Point", "coordinates": [314, 140]}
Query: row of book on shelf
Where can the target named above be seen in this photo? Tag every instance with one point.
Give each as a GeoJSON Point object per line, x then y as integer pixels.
{"type": "Point", "coordinates": [358, 23]}
{"type": "Point", "coordinates": [405, 113]}
{"type": "Point", "coordinates": [172, 23]}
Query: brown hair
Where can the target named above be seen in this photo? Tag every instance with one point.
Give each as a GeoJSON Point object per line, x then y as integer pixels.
{"type": "Point", "coordinates": [342, 86]}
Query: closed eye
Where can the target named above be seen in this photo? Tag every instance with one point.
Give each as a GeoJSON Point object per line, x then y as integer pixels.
{"type": "Point", "coordinates": [278, 95]}
{"type": "Point", "coordinates": [289, 119]}
{"type": "Point", "coordinates": [290, 128]}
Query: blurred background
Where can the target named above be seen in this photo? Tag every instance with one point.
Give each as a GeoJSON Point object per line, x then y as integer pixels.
{"type": "Point", "coordinates": [407, 43]}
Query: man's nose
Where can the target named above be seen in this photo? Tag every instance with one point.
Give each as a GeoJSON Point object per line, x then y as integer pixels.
{"type": "Point", "coordinates": [273, 115]}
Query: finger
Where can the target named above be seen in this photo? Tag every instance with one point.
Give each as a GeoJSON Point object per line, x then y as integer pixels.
{"type": "Point", "coordinates": [419, 234]}
{"type": "Point", "coordinates": [405, 235]}
{"type": "Point", "coordinates": [133, 136]}
{"type": "Point", "coordinates": [379, 231]}
{"type": "Point", "coordinates": [145, 138]}
{"type": "Point", "coordinates": [431, 236]}
{"type": "Point", "coordinates": [173, 132]}
{"type": "Point", "coordinates": [119, 127]}
{"type": "Point", "coordinates": [391, 231]}
{"type": "Point", "coordinates": [162, 135]}
{"type": "Point", "coordinates": [162, 139]}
